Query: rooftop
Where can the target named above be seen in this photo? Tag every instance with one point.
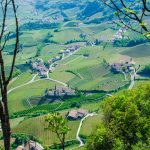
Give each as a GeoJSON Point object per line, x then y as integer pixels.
{"type": "Point", "coordinates": [76, 114]}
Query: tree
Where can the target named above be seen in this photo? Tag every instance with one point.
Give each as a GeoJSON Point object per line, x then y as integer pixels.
{"type": "Point", "coordinates": [146, 70]}
{"type": "Point", "coordinates": [126, 121]}
{"type": "Point", "coordinates": [132, 14]}
{"type": "Point", "coordinates": [5, 78]}
{"type": "Point", "coordinates": [39, 49]}
{"type": "Point", "coordinates": [58, 125]}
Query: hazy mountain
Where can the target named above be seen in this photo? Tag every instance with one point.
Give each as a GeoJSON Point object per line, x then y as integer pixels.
{"type": "Point", "coordinates": [59, 10]}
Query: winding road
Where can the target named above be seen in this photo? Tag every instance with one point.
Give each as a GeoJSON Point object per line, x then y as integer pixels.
{"type": "Point", "coordinates": [133, 75]}
{"type": "Point", "coordinates": [33, 81]}
{"type": "Point", "coordinates": [79, 128]}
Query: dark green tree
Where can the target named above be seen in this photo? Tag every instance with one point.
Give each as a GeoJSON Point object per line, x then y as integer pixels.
{"type": "Point", "coordinates": [126, 121]}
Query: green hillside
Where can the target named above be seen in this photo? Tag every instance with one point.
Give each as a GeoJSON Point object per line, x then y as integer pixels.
{"type": "Point", "coordinates": [74, 56]}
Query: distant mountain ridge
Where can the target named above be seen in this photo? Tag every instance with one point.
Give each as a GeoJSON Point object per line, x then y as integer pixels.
{"type": "Point", "coordinates": [59, 10]}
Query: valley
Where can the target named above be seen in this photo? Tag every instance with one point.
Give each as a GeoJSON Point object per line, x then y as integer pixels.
{"type": "Point", "coordinates": [63, 45]}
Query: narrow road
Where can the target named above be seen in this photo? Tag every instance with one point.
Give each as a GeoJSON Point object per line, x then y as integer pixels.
{"type": "Point", "coordinates": [33, 81]}
{"type": "Point", "coordinates": [125, 77]}
{"type": "Point", "coordinates": [64, 84]}
{"type": "Point", "coordinates": [79, 128]}
{"type": "Point", "coordinates": [109, 95]}
{"type": "Point", "coordinates": [48, 78]}
{"type": "Point", "coordinates": [133, 75]}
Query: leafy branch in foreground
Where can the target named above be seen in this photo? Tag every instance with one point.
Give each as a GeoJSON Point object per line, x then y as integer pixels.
{"type": "Point", "coordinates": [133, 14]}
{"type": "Point", "coordinates": [58, 125]}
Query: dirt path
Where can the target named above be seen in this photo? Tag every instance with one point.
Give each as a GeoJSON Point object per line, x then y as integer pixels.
{"type": "Point", "coordinates": [33, 81]}
{"type": "Point", "coordinates": [125, 76]}
{"type": "Point", "coordinates": [133, 75]}
{"type": "Point", "coordinates": [79, 128]}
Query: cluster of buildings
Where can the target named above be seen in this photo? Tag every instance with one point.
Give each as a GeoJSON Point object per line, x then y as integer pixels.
{"type": "Point", "coordinates": [38, 66]}
{"type": "Point", "coordinates": [69, 49]}
{"type": "Point", "coordinates": [76, 114]}
{"type": "Point", "coordinates": [126, 66]}
{"type": "Point", "coordinates": [120, 34]}
{"type": "Point", "coordinates": [55, 59]}
{"type": "Point", "coordinates": [31, 145]}
{"type": "Point", "coordinates": [60, 91]}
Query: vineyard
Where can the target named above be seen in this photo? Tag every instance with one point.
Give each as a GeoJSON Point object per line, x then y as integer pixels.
{"type": "Point", "coordinates": [98, 77]}
{"type": "Point", "coordinates": [28, 126]}
{"type": "Point", "coordinates": [57, 106]}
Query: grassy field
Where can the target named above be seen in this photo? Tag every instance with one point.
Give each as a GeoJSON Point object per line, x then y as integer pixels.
{"type": "Point", "coordinates": [29, 126]}
{"type": "Point", "coordinates": [90, 73]}
{"type": "Point", "coordinates": [90, 124]}
{"type": "Point", "coordinates": [15, 122]}
{"type": "Point", "coordinates": [84, 73]}
{"type": "Point", "coordinates": [92, 107]}
{"type": "Point", "coordinates": [140, 82]}
{"type": "Point", "coordinates": [67, 35]}
{"type": "Point", "coordinates": [18, 98]}
{"type": "Point", "coordinates": [140, 53]}
{"type": "Point", "coordinates": [90, 100]}
{"type": "Point", "coordinates": [22, 79]}
{"type": "Point", "coordinates": [50, 51]}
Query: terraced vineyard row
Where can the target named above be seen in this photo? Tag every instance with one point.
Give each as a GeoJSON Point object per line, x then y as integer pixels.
{"type": "Point", "coordinates": [68, 103]}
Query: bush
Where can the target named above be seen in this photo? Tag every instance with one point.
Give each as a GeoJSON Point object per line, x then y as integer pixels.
{"type": "Point", "coordinates": [67, 143]}
{"type": "Point", "coordinates": [146, 70]}
{"type": "Point", "coordinates": [22, 138]}
{"type": "Point", "coordinates": [75, 104]}
{"type": "Point", "coordinates": [16, 73]}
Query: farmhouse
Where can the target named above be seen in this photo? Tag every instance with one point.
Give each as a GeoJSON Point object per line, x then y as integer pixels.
{"type": "Point", "coordinates": [120, 34]}
{"type": "Point", "coordinates": [73, 48]}
{"type": "Point", "coordinates": [20, 148]}
{"type": "Point", "coordinates": [70, 49]}
{"type": "Point", "coordinates": [34, 146]}
{"type": "Point", "coordinates": [57, 58]}
{"type": "Point", "coordinates": [77, 114]}
{"type": "Point", "coordinates": [116, 67]}
{"type": "Point", "coordinates": [61, 52]}
{"type": "Point", "coordinates": [60, 91]}
{"type": "Point", "coordinates": [31, 145]}
{"type": "Point", "coordinates": [43, 74]}
{"type": "Point", "coordinates": [124, 65]}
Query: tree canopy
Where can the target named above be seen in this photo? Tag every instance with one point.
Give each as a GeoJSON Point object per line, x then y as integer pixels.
{"type": "Point", "coordinates": [146, 70]}
{"type": "Point", "coordinates": [126, 122]}
{"type": "Point", "coordinates": [58, 125]}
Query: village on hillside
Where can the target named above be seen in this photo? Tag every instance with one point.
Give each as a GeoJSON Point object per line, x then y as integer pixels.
{"type": "Point", "coordinates": [43, 68]}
